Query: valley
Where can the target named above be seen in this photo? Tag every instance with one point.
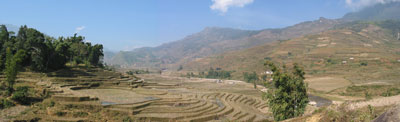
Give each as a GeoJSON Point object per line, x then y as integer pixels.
{"type": "Point", "coordinates": [324, 70]}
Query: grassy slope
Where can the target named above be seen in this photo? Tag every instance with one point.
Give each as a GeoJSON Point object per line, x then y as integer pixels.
{"type": "Point", "coordinates": [364, 42]}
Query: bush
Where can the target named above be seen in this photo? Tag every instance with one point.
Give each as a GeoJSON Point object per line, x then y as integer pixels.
{"type": "Point", "coordinates": [127, 119]}
{"type": "Point", "coordinates": [21, 95]}
{"type": "Point", "coordinates": [363, 64]}
{"type": "Point", "coordinates": [60, 113]}
{"type": "Point", "coordinates": [80, 114]}
{"type": "Point", "coordinates": [4, 103]}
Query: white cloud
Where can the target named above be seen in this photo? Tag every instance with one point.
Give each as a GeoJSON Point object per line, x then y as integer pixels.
{"type": "Point", "coordinates": [224, 5]}
{"type": "Point", "coordinates": [358, 4]}
{"type": "Point", "coordinates": [78, 29]}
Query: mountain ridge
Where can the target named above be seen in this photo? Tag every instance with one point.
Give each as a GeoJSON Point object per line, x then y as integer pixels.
{"type": "Point", "coordinates": [213, 40]}
{"type": "Point", "coordinates": [340, 52]}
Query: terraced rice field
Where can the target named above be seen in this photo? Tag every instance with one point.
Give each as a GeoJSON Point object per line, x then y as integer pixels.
{"type": "Point", "coordinates": [186, 102]}
{"type": "Point", "coordinates": [156, 98]}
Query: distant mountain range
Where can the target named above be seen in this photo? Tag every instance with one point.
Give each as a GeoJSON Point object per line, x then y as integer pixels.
{"type": "Point", "coordinates": [210, 41]}
{"type": "Point", "coordinates": [388, 11]}
{"type": "Point", "coordinates": [358, 51]}
{"type": "Point", "coordinates": [214, 41]}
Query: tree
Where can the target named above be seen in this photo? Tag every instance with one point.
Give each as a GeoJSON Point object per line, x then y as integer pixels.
{"type": "Point", "coordinates": [95, 54]}
{"type": "Point", "coordinates": [289, 98]}
{"type": "Point", "coordinates": [45, 53]}
{"type": "Point", "coordinates": [180, 68]}
{"type": "Point", "coordinates": [4, 37]}
{"type": "Point", "coordinates": [251, 78]}
{"type": "Point", "coordinates": [12, 67]}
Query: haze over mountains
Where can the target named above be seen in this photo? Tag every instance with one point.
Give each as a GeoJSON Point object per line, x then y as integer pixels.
{"type": "Point", "coordinates": [214, 41]}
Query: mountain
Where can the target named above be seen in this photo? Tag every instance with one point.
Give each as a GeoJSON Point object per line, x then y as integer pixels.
{"type": "Point", "coordinates": [108, 54]}
{"type": "Point", "coordinates": [10, 27]}
{"type": "Point", "coordinates": [213, 40]}
{"type": "Point", "coordinates": [387, 11]}
{"type": "Point", "coordinates": [358, 51]}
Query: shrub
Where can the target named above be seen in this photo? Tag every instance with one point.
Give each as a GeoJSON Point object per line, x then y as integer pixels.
{"type": "Point", "coordinates": [21, 95]}
{"type": "Point", "coordinates": [4, 103]}
{"type": "Point", "coordinates": [80, 114]}
{"type": "Point", "coordinates": [363, 64]}
{"type": "Point", "coordinates": [127, 119]}
{"type": "Point", "coordinates": [60, 113]}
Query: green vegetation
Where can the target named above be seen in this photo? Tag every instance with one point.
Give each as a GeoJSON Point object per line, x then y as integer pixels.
{"type": "Point", "coordinates": [80, 114]}
{"type": "Point", "coordinates": [127, 119]}
{"type": "Point", "coordinates": [189, 75]}
{"type": "Point", "coordinates": [42, 53]}
{"type": "Point", "coordinates": [218, 74]}
{"type": "Point", "coordinates": [4, 103]}
{"type": "Point", "coordinates": [60, 113]}
{"type": "Point", "coordinates": [12, 67]}
{"type": "Point", "coordinates": [214, 74]}
{"type": "Point", "coordinates": [31, 50]}
{"type": "Point", "coordinates": [21, 95]}
{"type": "Point", "coordinates": [137, 71]}
{"type": "Point", "coordinates": [180, 68]}
{"type": "Point", "coordinates": [289, 98]}
{"type": "Point", "coordinates": [363, 63]}
{"type": "Point", "coordinates": [251, 78]}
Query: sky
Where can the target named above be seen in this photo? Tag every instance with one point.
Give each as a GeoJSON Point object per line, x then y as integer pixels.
{"type": "Point", "coordinates": [122, 25]}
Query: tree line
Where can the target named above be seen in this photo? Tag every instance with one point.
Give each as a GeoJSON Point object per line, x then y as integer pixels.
{"type": "Point", "coordinates": [44, 53]}
{"type": "Point", "coordinates": [217, 73]}
{"type": "Point", "coordinates": [32, 50]}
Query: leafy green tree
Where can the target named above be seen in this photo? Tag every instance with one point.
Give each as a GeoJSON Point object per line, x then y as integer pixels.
{"type": "Point", "coordinates": [251, 78]}
{"type": "Point", "coordinates": [289, 98]}
{"type": "Point", "coordinates": [4, 37]}
{"type": "Point", "coordinates": [95, 54]}
{"type": "Point", "coordinates": [12, 67]}
{"type": "Point", "coordinates": [45, 53]}
{"type": "Point", "coordinates": [221, 74]}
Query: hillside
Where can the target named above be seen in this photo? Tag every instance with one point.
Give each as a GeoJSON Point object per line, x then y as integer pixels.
{"type": "Point", "coordinates": [365, 51]}
{"type": "Point", "coordinates": [388, 11]}
{"type": "Point", "coordinates": [213, 40]}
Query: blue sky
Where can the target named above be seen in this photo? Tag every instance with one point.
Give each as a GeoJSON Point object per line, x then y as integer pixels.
{"type": "Point", "coordinates": [128, 24]}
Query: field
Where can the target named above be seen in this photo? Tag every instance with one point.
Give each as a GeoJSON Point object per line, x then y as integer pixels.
{"type": "Point", "coordinates": [327, 84]}
{"type": "Point", "coordinates": [80, 94]}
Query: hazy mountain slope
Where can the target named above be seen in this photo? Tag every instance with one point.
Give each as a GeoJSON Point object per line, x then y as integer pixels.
{"type": "Point", "coordinates": [376, 12]}
{"type": "Point", "coordinates": [343, 52]}
{"type": "Point", "coordinates": [10, 27]}
{"type": "Point", "coordinates": [212, 41]}
{"type": "Point", "coordinates": [108, 55]}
